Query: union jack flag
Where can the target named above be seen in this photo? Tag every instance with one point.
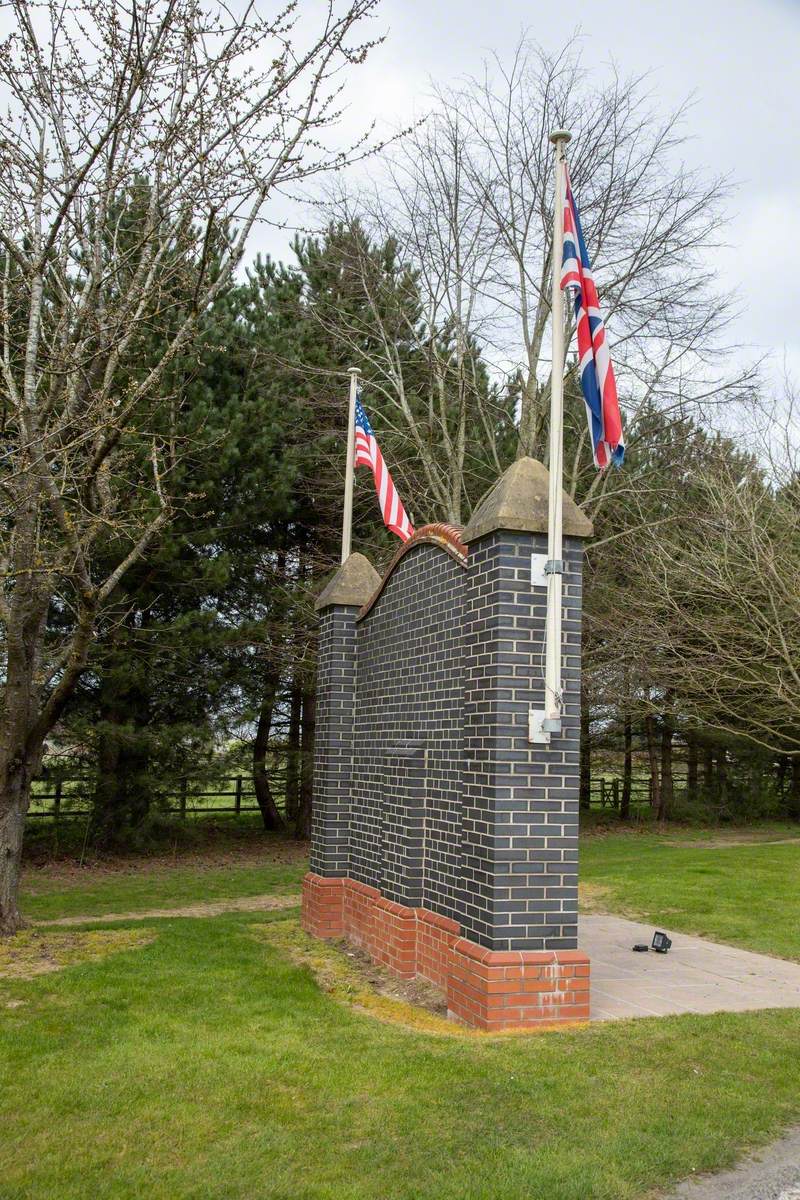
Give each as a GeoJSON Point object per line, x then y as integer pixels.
{"type": "Point", "coordinates": [597, 374]}
{"type": "Point", "coordinates": [368, 454]}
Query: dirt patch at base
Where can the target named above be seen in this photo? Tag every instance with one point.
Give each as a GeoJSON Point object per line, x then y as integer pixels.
{"type": "Point", "coordinates": [32, 952]}
{"type": "Point", "coordinates": [350, 976]}
{"type": "Point", "coordinates": [409, 991]}
{"type": "Point", "coordinates": [213, 908]}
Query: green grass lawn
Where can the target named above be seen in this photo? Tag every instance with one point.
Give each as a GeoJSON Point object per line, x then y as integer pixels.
{"type": "Point", "coordinates": [206, 1066]}
{"type": "Point", "coordinates": [168, 887]}
{"type": "Point", "coordinates": [748, 895]}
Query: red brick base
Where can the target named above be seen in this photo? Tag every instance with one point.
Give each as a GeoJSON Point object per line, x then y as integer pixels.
{"type": "Point", "coordinates": [490, 989]}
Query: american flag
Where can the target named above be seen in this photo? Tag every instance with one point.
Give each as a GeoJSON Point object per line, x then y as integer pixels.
{"type": "Point", "coordinates": [597, 374]}
{"type": "Point", "coordinates": [368, 454]}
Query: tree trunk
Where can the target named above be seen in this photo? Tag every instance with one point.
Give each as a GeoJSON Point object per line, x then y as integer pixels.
{"type": "Point", "coordinates": [781, 771]}
{"type": "Point", "coordinates": [13, 807]}
{"type": "Point", "coordinates": [123, 794]}
{"type": "Point", "coordinates": [722, 777]}
{"type": "Point", "coordinates": [293, 755]}
{"type": "Point", "coordinates": [585, 768]}
{"type": "Point", "coordinates": [652, 755]}
{"type": "Point", "coordinates": [22, 735]}
{"type": "Point", "coordinates": [22, 731]}
{"type": "Point", "coordinates": [27, 715]}
{"type": "Point", "coordinates": [266, 801]}
{"type": "Point", "coordinates": [123, 791]}
{"type": "Point", "coordinates": [691, 767]}
{"type": "Point", "coordinates": [303, 825]}
{"type": "Point", "coordinates": [105, 788]}
{"type": "Point", "coordinates": [708, 770]}
{"type": "Point", "coordinates": [667, 789]}
{"type": "Point", "coordinates": [627, 768]}
{"type": "Point", "coordinates": [794, 790]}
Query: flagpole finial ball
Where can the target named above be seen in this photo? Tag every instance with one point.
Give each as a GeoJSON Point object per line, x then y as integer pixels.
{"type": "Point", "coordinates": [560, 135]}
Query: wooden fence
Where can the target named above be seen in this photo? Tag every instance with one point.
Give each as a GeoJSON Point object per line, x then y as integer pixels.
{"type": "Point", "coordinates": [607, 793]}
{"type": "Point", "coordinates": [70, 796]}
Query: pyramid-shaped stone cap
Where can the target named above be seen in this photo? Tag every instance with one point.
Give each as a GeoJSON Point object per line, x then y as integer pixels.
{"type": "Point", "coordinates": [353, 584]}
{"type": "Point", "coordinates": [518, 501]}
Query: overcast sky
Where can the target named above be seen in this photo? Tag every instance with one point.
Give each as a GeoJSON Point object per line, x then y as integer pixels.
{"type": "Point", "coordinates": [741, 60]}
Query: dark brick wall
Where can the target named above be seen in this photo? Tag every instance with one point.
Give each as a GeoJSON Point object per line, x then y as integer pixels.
{"type": "Point", "coordinates": [333, 745]}
{"type": "Point", "coordinates": [520, 802]}
{"type": "Point", "coordinates": [426, 786]}
{"type": "Point", "coordinates": [405, 811]}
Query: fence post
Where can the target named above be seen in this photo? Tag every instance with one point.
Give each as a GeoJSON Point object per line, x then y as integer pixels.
{"type": "Point", "coordinates": [238, 801]}
{"type": "Point", "coordinates": [183, 798]}
{"type": "Point", "coordinates": [57, 799]}
{"type": "Point", "coordinates": [615, 793]}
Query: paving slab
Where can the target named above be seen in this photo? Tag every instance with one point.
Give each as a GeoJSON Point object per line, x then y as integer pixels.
{"type": "Point", "coordinates": [695, 976]}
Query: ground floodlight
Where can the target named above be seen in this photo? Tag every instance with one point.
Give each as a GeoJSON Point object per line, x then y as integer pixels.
{"type": "Point", "coordinates": [661, 943]}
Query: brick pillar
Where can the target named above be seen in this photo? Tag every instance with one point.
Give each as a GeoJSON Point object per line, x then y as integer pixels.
{"type": "Point", "coordinates": [338, 606]}
{"type": "Point", "coordinates": [519, 893]}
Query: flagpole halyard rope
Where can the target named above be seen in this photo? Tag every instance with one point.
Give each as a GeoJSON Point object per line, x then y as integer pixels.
{"type": "Point", "coordinates": [347, 515]}
{"type": "Point", "coordinates": [555, 566]}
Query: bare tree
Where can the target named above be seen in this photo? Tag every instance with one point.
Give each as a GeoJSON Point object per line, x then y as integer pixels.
{"type": "Point", "coordinates": [649, 223]}
{"type": "Point", "coordinates": [424, 357]}
{"type": "Point", "coordinates": [698, 625]}
{"type": "Point", "coordinates": [467, 196]}
{"type": "Point", "coordinates": [716, 606]}
{"type": "Point", "coordinates": [141, 144]}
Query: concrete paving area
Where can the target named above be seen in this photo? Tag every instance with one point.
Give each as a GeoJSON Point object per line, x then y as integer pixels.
{"type": "Point", "coordinates": [696, 976]}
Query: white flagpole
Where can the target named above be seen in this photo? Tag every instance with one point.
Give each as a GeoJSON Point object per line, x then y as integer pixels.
{"type": "Point", "coordinates": [555, 566]}
{"type": "Point", "coordinates": [347, 519]}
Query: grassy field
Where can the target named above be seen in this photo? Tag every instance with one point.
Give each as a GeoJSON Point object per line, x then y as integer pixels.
{"type": "Point", "coordinates": [210, 859]}
{"type": "Point", "coordinates": [168, 887]}
{"type": "Point", "coordinates": [741, 887]}
{"type": "Point", "coordinates": [204, 1065]}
